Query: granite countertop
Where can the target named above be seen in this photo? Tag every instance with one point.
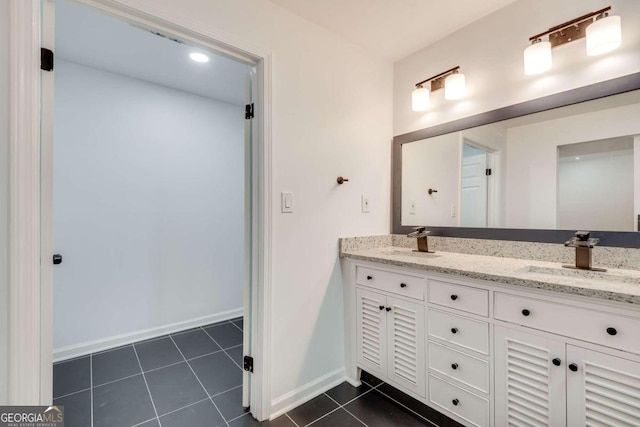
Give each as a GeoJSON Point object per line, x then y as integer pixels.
{"type": "Point", "coordinates": [615, 285]}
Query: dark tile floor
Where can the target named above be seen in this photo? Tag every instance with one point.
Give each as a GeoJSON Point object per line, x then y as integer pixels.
{"type": "Point", "coordinates": [193, 379]}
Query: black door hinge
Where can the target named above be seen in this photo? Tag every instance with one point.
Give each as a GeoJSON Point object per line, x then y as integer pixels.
{"type": "Point", "coordinates": [57, 259]}
{"type": "Point", "coordinates": [248, 111]}
{"type": "Point", "coordinates": [46, 59]}
{"type": "Point", "coordinates": [248, 364]}
{"type": "Point", "coordinates": [487, 172]}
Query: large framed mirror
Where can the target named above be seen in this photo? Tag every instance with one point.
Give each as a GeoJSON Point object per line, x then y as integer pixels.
{"type": "Point", "coordinates": [536, 171]}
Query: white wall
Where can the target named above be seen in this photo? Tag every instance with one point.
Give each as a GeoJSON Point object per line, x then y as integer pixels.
{"type": "Point", "coordinates": [489, 52]}
{"type": "Point", "coordinates": [588, 178]}
{"type": "Point", "coordinates": [331, 116]}
{"type": "Point", "coordinates": [4, 197]}
{"type": "Point", "coordinates": [148, 206]}
{"type": "Point", "coordinates": [532, 159]}
{"type": "Point", "coordinates": [431, 163]}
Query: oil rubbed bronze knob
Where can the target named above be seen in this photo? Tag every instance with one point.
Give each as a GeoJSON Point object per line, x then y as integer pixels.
{"type": "Point", "coordinates": [454, 366]}
{"type": "Point", "coordinates": [454, 330]}
{"type": "Point", "coordinates": [612, 331]}
{"type": "Point", "coordinates": [454, 297]}
{"type": "Point", "coordinates": [431, 191]}
{"type": "Point", "coordinates": [455, 402]}
{"type": "Point", "coordinates": [526, 312]}
{"type": "Point", "coordinates": [573, 367]}
{"type": "Point", "coordinates": [382, 307]}
{"type": "Point", "coordinates": [557, 361]}
{"type": "Point", "coordinates": [341, 180]}
{"type": "Point", "coordinates": [388, 308]}
{"type": "Point", "coordinates": [369, 277]}
{"type": "Point", "coordinates": [403, 285]}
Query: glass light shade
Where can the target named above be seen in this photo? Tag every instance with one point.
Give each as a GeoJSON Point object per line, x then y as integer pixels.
{"type": "Point", "coordinates": [604, 35]}
{"type": "Point", "coordinates": [454, 86]}
{"type": "Point", "coordinates": [199, 57]}
{"type": "Point", "coordinates": [537, 58]}
{"type": "Point", "coordinates": [420, 99]}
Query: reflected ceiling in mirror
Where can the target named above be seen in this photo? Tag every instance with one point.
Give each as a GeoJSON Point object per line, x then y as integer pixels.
{"type": "Point", "coordinates": [574, 167]}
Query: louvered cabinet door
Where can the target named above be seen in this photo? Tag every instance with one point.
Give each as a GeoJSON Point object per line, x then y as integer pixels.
{"type": "Point", "coordinates": [372, 331]}
{"type": "Point", "coordinates": [406, 342]}
{"type": "Point", "coordinates": [530, 390]}
{"type": "Point", "coordinates": [603, 390]}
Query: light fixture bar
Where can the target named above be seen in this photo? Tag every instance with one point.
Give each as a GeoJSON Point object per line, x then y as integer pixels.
{"type": "Point", "coordinates": [571, 30]}
{"type": "Point", "coordinates": [437, 81]}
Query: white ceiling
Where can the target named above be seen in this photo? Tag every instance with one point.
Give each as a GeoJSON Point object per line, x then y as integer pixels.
{"type": "Point", "coordinates": [89, 37]}
{"type": "Point", "coordinates": [393, 29]}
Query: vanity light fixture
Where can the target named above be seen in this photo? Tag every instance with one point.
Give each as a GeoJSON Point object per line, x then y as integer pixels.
{"type": "Point", "coordinates": [603, 34]}
{"type": "Point", "coordinates": [451, 80]}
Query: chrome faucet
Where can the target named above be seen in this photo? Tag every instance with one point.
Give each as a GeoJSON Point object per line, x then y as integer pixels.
{"type": "Point", "coordinates": [584, 245]}
{"type": "Point", "coordinates": [421, 234]}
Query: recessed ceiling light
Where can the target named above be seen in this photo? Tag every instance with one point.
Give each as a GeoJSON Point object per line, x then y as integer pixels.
{"type": "Point", "coordinates": [199, 57]}
{"type": "Point", "coordinates": [577, 158]}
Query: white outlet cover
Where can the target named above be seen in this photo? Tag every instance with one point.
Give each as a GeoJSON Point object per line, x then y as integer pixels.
{"type": "Point", "coordinates": [366, 206]}
{"type": "Point", "coordinates": [412, 207]}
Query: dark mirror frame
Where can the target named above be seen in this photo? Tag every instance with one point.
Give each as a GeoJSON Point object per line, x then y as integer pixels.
{"type": "Point", "coordinates": [629, 239]}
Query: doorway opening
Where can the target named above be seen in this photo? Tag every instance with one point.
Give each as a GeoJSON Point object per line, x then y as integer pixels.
{"type": "Point", "coordinates": [156, 218]}
{"type": "Point", "coordinates": [476, 192]}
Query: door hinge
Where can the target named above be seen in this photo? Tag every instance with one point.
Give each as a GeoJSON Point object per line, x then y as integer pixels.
{"type": "Point", "coordinates": [46, 59]}
{"type": "Point", "coordinates": [248, 364]}
{"type": "Point", "coordinates": [248, 111]}
{"type": "Point", "coordinates": [487, 172]}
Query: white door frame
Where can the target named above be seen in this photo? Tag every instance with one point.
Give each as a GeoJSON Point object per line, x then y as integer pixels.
{"type": "Point", "coordinates": [30, 281]}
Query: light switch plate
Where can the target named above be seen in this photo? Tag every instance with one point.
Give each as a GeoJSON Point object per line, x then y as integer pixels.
{"type": "Point", "coordinates": [287, 202]}
{"type": "Point", "coordinates": [366, 208]}
{"type": "Point", "coordinates": [454, 211]}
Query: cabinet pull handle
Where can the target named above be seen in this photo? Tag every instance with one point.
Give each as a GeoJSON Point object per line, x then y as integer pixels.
{"type": "Point", "coordinates": [388, 308]}
{"type": "Point", "coordinates": [403, 285]}
{"type": "Point", "coordinates": [454, 297]}
{"type": "Point", "coordinates": [454, 330]}
{"type": "Point", "coordinates": [454, 366]}
{"type": "Point", "coordinates": [573, 367]}
{"type": "Point", "coordinates": [455, 402]}
{"type": "Point", "coordinates": [526, 312]}
{"type": "Point", "coordinates": [369, 277]}
{"type": "Point", "coordinates": [557, 361]}
{"type": "Point", "coordinates": [382, 307]}
{"type": "Point", "coordinates": [612, 331]}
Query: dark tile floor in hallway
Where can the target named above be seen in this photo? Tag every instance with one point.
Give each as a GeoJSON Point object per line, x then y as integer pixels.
{"type": "Point", "coordinates": [193, 379]}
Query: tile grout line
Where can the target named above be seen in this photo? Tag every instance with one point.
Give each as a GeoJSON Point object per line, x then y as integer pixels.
{"type": "Point", "coordinates": [406, 407]}
{"type": "Point", "coordinates": [91, 384]}
{"type": "Point", "coordinates": [147, 385]}
{"type": "Point", "coordinates": [325, 415]}
{"type": "Point", "coordinates": [289, 416]}
{"type": "Point", "coordinates": [146, 421]}
{"type": "Point", "coordinates": [343, 406]}
{"type": "Point", "coordinates": [241, 329]}
{"type": "Point", "coordinates": [199, 382]}
{"type": "Point", "coordinates": [225, 352]}
{"type": "Point", "coordinates": [71, 394]}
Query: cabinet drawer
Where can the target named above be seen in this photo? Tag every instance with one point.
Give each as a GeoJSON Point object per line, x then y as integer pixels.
{"type": "Point", "coordinates": [468, 333]}
{"type": "Point", "coordinates": [454, 364]}
{"type": "Point", "coordinates": [468, 406]}
{"type": "Point", "coordinates": [599, 327]}
{"type": "Point", "coordinates": [463, 298]}
{"type": "Point", "coordinates": [401, 284]}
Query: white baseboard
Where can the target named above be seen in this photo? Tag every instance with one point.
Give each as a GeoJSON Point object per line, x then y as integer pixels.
{"type": "Point", "coordinates": [303, 394]}
{"type": "Point", "coordinates": [85, 348]}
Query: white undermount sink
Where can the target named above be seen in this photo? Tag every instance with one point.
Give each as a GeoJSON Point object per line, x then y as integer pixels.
{"type": "Point", "coordinates": [608, 276]}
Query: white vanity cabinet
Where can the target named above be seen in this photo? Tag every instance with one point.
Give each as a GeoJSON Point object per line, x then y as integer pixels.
{"type": "Point", "coordinates": [390, 335]}
{"type": "Point", "coordinates": [488, 354]}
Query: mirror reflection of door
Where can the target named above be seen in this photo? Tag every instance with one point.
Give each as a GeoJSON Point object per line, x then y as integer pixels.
{"type": "Point", "coordinates": [474, 191]}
